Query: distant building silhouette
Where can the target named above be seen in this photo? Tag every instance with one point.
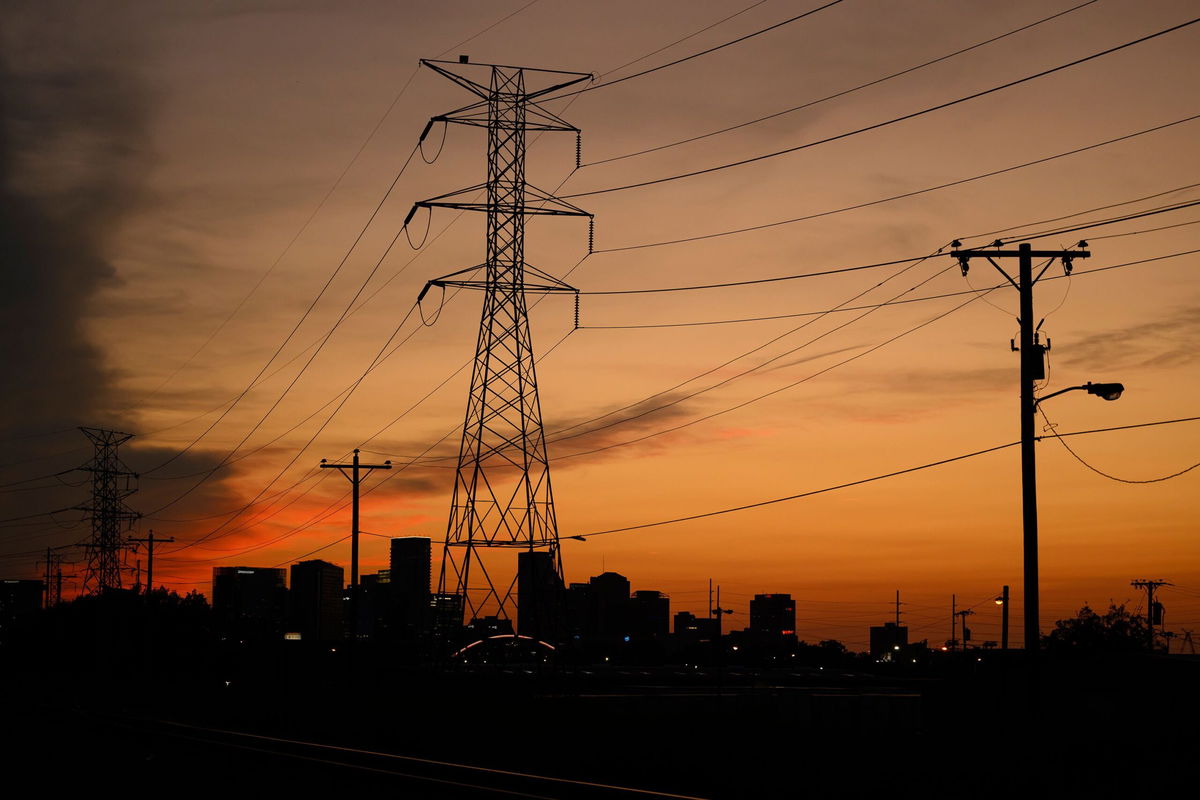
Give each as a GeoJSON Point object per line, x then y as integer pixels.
{"type": "Point", "coordinates": [446, 617]}
{"type": "Point", "coordinates": [690, 628]}
{"type": "Point", "coordinates": [483, 627]}
{"type": "Point", "coordinates": [599, 609]}
{"type": "Point", "coordinates": [249, 602]}
{"type": "Point", "coordinates": [374, 604]}
{"type": "Point", "coordinates": [20, 601]}
{"type": "Point", "coordinates": [409, 573]}
{"type": "Point", "coordinates": [318, 601]}
{"type": "Point", "coordinates": [773, 616]}
{"type": "Point", "coordinates": [649, 615]}
{"type": "Point", "coordinates": [887, 638]}
{"type": "Point", "coordinates": [539, 596]}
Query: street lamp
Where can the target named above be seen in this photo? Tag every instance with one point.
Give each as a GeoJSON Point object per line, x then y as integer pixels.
{"type": "Point", "coordinates": [1106, 391]}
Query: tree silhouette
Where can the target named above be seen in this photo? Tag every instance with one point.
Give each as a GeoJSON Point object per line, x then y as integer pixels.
{"type": "Point", "coordinates": [1115, 631]}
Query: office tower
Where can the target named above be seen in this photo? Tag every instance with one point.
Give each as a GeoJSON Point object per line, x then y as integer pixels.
{"type": "Point", "coordinates": [773, 615]}
{"type": "Point", "coordinates": [318, 601]}
{"type": "Point", "coordinates": [249, 602]}
{"type": "Point", "coordinates": [539, 596]}
{"type": "Point", "coordinates": [409, 583]}
{"type": "Point", "coordinates": [649, 615]}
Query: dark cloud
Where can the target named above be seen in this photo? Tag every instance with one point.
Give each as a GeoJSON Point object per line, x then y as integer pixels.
{"type": "Point", "coordinates": [1168, 341]}
{"type": "Point", "coordinates": [75, 111]}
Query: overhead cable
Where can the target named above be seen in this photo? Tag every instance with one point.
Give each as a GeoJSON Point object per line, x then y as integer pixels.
{"type": "Point", "coordinates": [842, 93]}
{"type": "Point", "coordinates": [886, 123]}
{"type": "Point", "coordinates": [861, 481]}
{"type": "Point", "coordinates": [903, 195]}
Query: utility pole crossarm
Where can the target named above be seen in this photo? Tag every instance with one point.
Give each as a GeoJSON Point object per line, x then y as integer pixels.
{"type": "Point", "coordinates": [355, 467]}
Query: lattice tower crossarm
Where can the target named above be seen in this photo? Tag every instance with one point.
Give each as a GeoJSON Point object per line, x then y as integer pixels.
{"type": "Point", "coordinates": [502, 492]}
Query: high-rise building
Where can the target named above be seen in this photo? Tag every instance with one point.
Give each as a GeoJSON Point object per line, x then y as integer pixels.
{"type": "Point", "coordinates": [446, 618]}
{"type": "Point", "coordinates": [318, 601]}
{"type": "Point", "coordinates": [773, 615]}
{"type": "Point", "coordinates": [539, 596]}
{"type": "Point", "coordinates": [409, 573]}
{"type": "Point", "coordinates": [249, 602]}
{"type": "Point", "coordinates": [649, 615]}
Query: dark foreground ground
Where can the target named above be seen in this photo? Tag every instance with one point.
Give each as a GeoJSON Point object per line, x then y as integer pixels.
{"type": "Point", "coordinates": [1105, 728]}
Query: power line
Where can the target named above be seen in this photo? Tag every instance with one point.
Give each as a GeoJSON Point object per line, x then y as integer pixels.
{"type": "Point", "coordinates": [842, 93]}
{"type": "Point", "coordinates": [903, 195]}
{"type": "Point", "coordinates": [337, 270]}
{"type": "Point", "coordinates": [1051, 427]}
{"type": "Point", "coordinates": [836, 271]}
{"type": "Point", "coordinates": [1058, 232]}
{"type": "Point", "coordinates": [777, 390]}
{"type": "Point", "coordinates": [862, 481]}
{"type": "Point", "coordinates": [708, 27]}
{"type": "Point", "coordinates": [897, 302]}
{"type": "Point", "coordinates": [888, 122]}
{"type": "Point", "coordinates": [337, 182]}
{"type": "Point", "coordinates": [699, 54]}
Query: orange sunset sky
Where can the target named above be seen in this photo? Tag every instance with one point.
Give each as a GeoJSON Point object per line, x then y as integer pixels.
{"type": "Point", "coordinates": [182, 180]}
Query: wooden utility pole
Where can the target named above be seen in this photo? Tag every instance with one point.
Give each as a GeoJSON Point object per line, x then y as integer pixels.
{"type": "Point", "coordinates": [355, 477]}
{"type": "Point", "coordinates": [1153, 610]}
{"type": "Point", "coordinates": [149, 541]}
{"type": "Point", "coordinates": [1032, 369]}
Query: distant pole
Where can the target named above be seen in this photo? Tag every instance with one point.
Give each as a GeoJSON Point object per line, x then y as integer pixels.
{"type": "Point", "coordinates": [1004, 619]}
{"type": "Point", "coordinates": [49, 567]}
{"type": "Point", "coordinates": [953, 622]}
{"type": "Point", "coordinates": [1149, 586]}
{"type": "Point", "coordinates": [966, 632]}
{"type": "Point", "coordinates": [355, 478]}
{"type": "Point", "coordinates": [150, 540]}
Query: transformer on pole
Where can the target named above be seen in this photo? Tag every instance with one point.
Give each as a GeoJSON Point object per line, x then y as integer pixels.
{"type": "Point", "coordinates": [502, 493]}
{"type": "Point", "coordinates": [112, 482]}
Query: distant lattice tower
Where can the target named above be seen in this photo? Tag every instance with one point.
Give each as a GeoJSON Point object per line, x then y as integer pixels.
{"type": "Point", "coordinates": [502, 494]}
{"type": "Point", "coordinates": [112, 482]}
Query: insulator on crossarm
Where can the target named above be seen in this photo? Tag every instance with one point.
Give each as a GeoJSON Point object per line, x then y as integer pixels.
{"type": "Point", "coordinates": [578, 148]}
{"type": "Point", "coordinates": [591, 234]}
{"type": "Point", "coordinates": [576, 310]}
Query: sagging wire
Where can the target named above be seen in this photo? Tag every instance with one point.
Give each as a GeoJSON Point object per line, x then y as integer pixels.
{"type": "Point", "coordinates": [437, 314]}
{"type": "Point", "coordinates": [1050, 427]}
{"type": "Point", "coordinates": [425, 236]}
{"type": "Point", "coordinates": [441, 144]}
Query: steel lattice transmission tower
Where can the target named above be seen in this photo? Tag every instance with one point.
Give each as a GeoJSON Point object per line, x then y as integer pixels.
{"type": "Point", "coordinates": [502, 494]}
{"type": "Point", "coordinates": [112, 482]}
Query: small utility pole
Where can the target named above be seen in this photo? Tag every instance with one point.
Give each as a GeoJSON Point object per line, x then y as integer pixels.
{"type": "Point", "coordinates": [719, 612]}
{"type": "Point", "coordinates": [1004, 619]}
{"type": "Point", "coordinates": [1153, 610]}
{"type": "Point", "coordinates": [149, 541]}
{"type": "Point", "coordinates": [953, 622]}
{"type": "Point", "coordinates": [966, 632]}
{"type": "Point", "coordinates": [897, 610]}
{"type": "Point", "coordinates": [355, 478]}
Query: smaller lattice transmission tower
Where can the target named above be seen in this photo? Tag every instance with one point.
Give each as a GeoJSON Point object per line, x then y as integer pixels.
{"type": "Point", "coordinates": [112, 482]}
{"type": "Point", "coordinates": [502, 493]}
